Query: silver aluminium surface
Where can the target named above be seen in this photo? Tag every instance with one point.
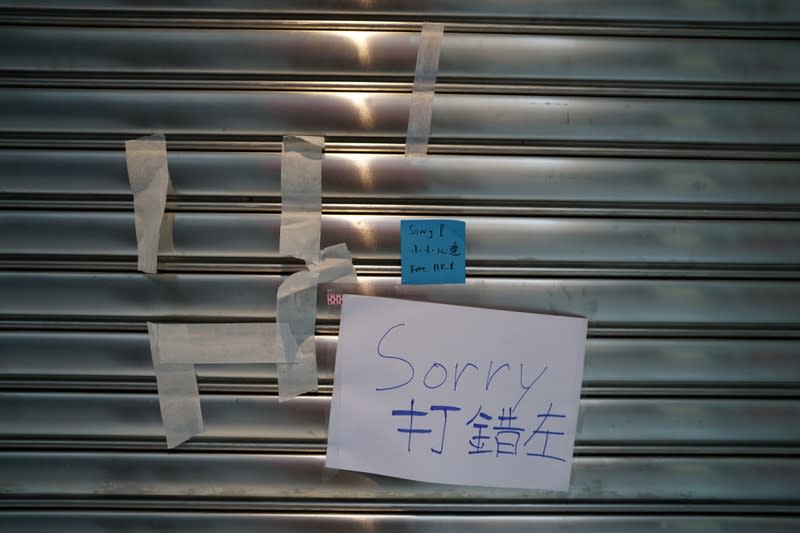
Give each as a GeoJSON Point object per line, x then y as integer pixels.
{"type": "Point", "coordinates": [634, 162]}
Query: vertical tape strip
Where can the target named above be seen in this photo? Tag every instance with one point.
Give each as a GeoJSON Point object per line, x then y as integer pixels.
{"type": "Point", "coordinates": [178, 396]}
{"type": "Point", "coordinates": [297, 309]}
{"type": "Point", "coordinates": [421, 108]}
{"type": "Point", "coordinates": [149, 177]}
{"type": "Point", "coordinates": [300, 376]}
{"type": "Point", "coordinates": [301, 191]}
{"type": "Point", "coordinates": [297, 314]}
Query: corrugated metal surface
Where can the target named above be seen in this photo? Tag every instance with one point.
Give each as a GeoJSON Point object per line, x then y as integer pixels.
{"type": "Point", "coordinates": [637, 163]}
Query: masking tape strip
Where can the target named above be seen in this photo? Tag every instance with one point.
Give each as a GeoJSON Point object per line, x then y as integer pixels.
{"type": "Point", "coordinates": [297, 309]}
{"type": "Point", "coordinates": [148, 174]}
{"type": "Point", "coordinates": [299, 377]}
{"type": "Point", "coordinates": [421, 108]}
{"type": "Point", "coordinates": [336, 265]}
{"type": "Point", "coordinates": [166, 235]}
{"type": "Point", "coordinates": [176, 348]}
{"type": "Point", "coordinates": [178, 396]}
{"type": "Point", "coordinates": [220, 343]}
{"type": "Point", "coordinates": [297, 295]}
{"type": "Point", "coordinates": [301, 192]}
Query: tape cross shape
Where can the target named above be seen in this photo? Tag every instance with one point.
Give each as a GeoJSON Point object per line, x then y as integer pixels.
{"type": "Point", "coordinates": [421, 109]}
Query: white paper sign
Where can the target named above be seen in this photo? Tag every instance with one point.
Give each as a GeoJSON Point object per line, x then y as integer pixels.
{"type": "Point", "coordinates": [458, 395]}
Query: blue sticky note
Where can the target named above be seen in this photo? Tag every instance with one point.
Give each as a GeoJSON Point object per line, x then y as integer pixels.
{"type": "Point", "coordinates": [432, 251]}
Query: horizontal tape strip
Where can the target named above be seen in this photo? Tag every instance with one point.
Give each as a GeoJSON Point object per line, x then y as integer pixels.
{"type": "Point", "coordinates": [255, 342]}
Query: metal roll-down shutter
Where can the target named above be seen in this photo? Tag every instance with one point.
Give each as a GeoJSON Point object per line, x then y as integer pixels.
{"type": "Point", "coordinates": [633, 162]}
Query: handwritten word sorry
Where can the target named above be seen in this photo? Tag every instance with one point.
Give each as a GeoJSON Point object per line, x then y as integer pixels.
{"type": "Point", "coordinates": [437, 374]}
{"type": "Point", "coordinates": [454, 394]}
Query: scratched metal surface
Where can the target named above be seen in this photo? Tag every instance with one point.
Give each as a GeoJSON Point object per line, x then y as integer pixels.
{"type": "Point", "coordinates": [259, 421]}
{"type": "Point", "coordinates": [250, 522]}
{"type": "Point", "coordinates": [632, 162]}
{"type": "Point", "coordinates": [383, 183]}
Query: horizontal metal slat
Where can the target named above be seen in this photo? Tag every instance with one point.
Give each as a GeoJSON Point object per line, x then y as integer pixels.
{"type": "Point", "coordinates": [471, 118]}
{"type": "Point", "coordinates": [208, 522]}
{"type": "Point", "coordinates": [263, 419]}
{"type": "Point", "coordinates": [252, 297]}
{"type": "Point", "coordinates": [123, 356]}
{"type": "Point", "coordinates": [722, 11]}
{"type": "Point", "coordinates": [613, 302]}
{"type": "Point", "coordinates": [664, 189]}
{"type": "Point", "coordinates": [479, 58]}
{"type": "Point", "coordinates": [390, 178]}
{"type": "Point", "coordinates": [377, 238]}
{"type": "Point", "coordinates": [110, 358]}
{"type": "Point", "coordinates": [154, 476]}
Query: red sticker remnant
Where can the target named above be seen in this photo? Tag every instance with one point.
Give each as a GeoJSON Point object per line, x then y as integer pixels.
{"type": "Point", "coordinates": [335, 297]}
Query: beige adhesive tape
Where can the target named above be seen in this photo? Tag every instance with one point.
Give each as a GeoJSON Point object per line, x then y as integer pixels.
{"type": "Point", "coordinates": [297, 309]}
{"type": "Point", "coordinates": [421, 108]}
{"type": "Point", "coordinates": [301, 197]}
{"type": "Point", "coordinates": [166, 236]}
{"type": "Point", "coordinates": [299, 377]}
{"type": "Point", "coordinates": [336, 264]}
{"type": "Point", "coordinates": [220, 343]}
{"type": "Point", "coordinates": [176, 348]}
{"type": "Point", "coordinates": [178, 396]}
{"type": "Point", "coordinates": [149, 178]}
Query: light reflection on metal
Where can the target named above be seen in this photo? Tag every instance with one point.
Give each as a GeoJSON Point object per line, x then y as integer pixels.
{"type": "Point", "coordinates": [360, 102]}
{"type": "Point", "coordinates": [635, 166]}
{"type": "Point", "coordinates": [360, 40]}
{"type": "Point", "coordinates": [364, 171]}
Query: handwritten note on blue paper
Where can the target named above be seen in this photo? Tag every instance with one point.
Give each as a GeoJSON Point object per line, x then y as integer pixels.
{"type": "Point", "coordinates": [451, 394]}
{"type": "Point", "coordinates": [432, 251]}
